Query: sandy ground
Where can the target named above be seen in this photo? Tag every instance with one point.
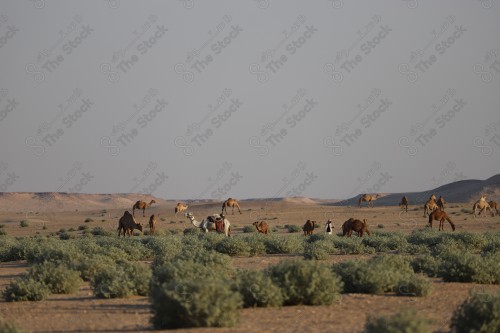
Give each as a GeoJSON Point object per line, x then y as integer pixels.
{"type": "Point", "coordinates": [82, 312]}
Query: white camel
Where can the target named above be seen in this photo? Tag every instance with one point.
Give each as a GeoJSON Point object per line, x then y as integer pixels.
{"type": "Point", "coordinates": [209, 223]}
{"type": "Point", "coordinates": [482, 205]}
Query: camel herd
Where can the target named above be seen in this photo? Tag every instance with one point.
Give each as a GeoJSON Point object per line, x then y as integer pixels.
{"type": "Point", "coordinates": [434, 209]}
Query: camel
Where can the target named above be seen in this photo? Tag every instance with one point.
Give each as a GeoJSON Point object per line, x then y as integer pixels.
{"type": "Point", "coordinates": [440, 216]}
{"type": "Point", "coordinates": [230, 203]}
{"type": "Point", "coordinates": [440, 203]}
{"type": "Point", "coordinates": [127, 224]}
{"type": "Point", "coordinates": [180, 208]}
{"type": "Point", "coordinates": [430, 205]}
{"type": "Point", "coordinates": [368, 199]}
{"type": "Point", "coordinates": [261, 227]}
{"type": "Point", "coordinates": [329, 227]}
{"type": "Point", "coordinates": [404, 203]}
{"type": "Point", "coordinates": [142, 205]}
{"type": "Point", "coordinates": [309, 227]}
{"type": "Point", "coordinates": [482, 205]}
{"type": "Point", "coordinates": [211, 223]}
{"type": "Point", "coordinates": [355, 225]}
{"type": "Point", "coordinates": [152, 224]}
{"type": "Point", "coordinates": [493, 204]}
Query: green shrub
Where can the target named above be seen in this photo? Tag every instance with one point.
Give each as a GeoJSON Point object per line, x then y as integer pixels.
{"type": "Point", "coordinates": [88, 267]}
{"type": "Point", "coordinates": [257, 289]}
{"type": "Point", "coordinates": [406, 321]}
{"type": "Point", "coordinates": [10, 249]}
{"type": "Point", "coordinates": [233, 246]}
{"type": "Point", "coordinates": [88, 220]}
{"type": "Point", "coordinates": [284, 244]}
{"type": "Point", "coordinates": [59, 278]}
{"type": "Point", "coordinates": [351, 245]}
{"type": "Point", "coordinates": [461, 266]}
{"type": "Point", "coordinates": [415, 285]}
{"type": "Point", "coordinates": [426, 264]}
{"type": "Point", "coordinates": [82, 227]}
{"type": "Point", "coordinates": [99, 231]}
{"type": "Point", "coordinates": [479, 313]}
{"type": "Point", "coordinates": [306, 282]}
{"type": "Point", "coordinates": [24, 223]}
{"type": "Point", "coordinates": [375, 276]}
{"type": "Point", "coordinates": [319, 250]}
{"type": "Point", "coordinates": [256, 244]}
{"type": "Point", "coordinates": [293, 228]}
{"type": "Point", "coordinates": [25, 288]}
{"type": "Point", "coordinates": [123, 280]}
{"type": "Point", "coordinates": [249, 229]}
{"type": "Point", "coordinates": [207, 302]}
{"type": "Point", "coordinates": [383, 242]}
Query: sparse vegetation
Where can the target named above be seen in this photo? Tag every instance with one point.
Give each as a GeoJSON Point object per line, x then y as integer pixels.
{"type": "Point", "coordinates": [479, 313]}
{"type": "Point", "coordinates": [403, 321]}
{"type": "Point", "coordinates": [24, 223]}
{"type": "Point", "coordinates": [88, 220]}
{"type": "Point", "coordinates": [306, 282]}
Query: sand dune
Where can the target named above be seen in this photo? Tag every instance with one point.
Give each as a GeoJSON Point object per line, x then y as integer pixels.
{"type": "Point", "coordinates": [463, 191]}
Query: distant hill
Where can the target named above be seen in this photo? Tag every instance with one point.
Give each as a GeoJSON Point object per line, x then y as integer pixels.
{"type": "Point", "coordinates": [463, 191]}
{"type": "Point", "coordinates": [61, 201]}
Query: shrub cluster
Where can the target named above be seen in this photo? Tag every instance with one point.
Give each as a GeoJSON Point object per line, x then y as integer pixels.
{"type": "Point", "coordinates": [479, 313]}
{"type": "Point", "coordinates": [403, 321]}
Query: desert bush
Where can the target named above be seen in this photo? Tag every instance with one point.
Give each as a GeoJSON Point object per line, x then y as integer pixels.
{"type": "Point", "coordinates": [10, 249]}
{"type": "Point", "coordinates": [426, 264]}
{"type": "Point", "coordinates": [121, 280]}
{"type": "Point", "coordinates": [426, 236]}
{"type": "Point", "coordinates": [233, 246]}
{"type": "Point", "coordinates": [25, 288]}
{"type": "Point", "coordinates": [24, 224]}
{"type": "Point", "coordinates": [166, 247]}
{"type": "Point", "coordinates": [461, 266]}
{"type": "Point", "coordinates": [293, 228]}
{"type": "Point", "coordinates": [281, 244]}
{"type": "Point", "coordinates": [82, 227]}
{"type": "Point", "coordinates": [40, 250]}
{"type": "Point", "coordinates": [58, 278]}
{"type": "Point", "coordinates": [256, 244]}
{"type": "Point", "coordinates": [418, 249]}
{"type": "Point", "coordinates": [351, 245]}
{"type": "Point", "coordinates": [3, 232]}
{"type": "Point", "coordinates": [383, 242]}
{"type": "Point", "coordinates": [100, 231]}
{"type": "Point", "coordinates": [194, 302]}
{"type": "Point", "coordinates": [306, 282]}
{"type": "Point", "coordinates": [401, 322]}
{"type": "Point", "coordinates": [319, 250]}
{"type": "Point", "coordinates": [249, 229]}
{"type": "Point", "coordinates": [257, 289]}
{"type": "Point", "coordinates": [478, 313]}
{"type": "Point", "coordinates": [466, 211]}
{"type": "Point", "coordinates": [88, 220]}
{"type": "Point", "coordinates": [414, 285]}
{"type": "Point", "coordinates": [88, 267]}
{"type": "Point", "coordinates": [375, 276]}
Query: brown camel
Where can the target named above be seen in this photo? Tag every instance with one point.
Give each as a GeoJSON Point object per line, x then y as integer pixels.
{"type": "Point", "coordinates": [230, 203]}
{"type": "Point", "coordinates": [369, 199]}
{"type": "Point", "coordinates": [440, 216]}
{"type": "Point", "coordinates": [152, 224]}
{"type": "Point", "coordinates": [440, 203]}
{"type": "Point", "coordinates": [180, 208]}
{"type": "Point", "coordinates": [355, 225]}
{"type": "Point", "coordinates": [142, 205]}
{"type": "Point", "coordinates": [309, 227]}
{"type": "Point", "coordinates": [127, 224]}
{"type": "Point", "coordinates": [493, 204]}
{"type": "Point", "coordinates": [404, 203]}
{"type": "Point", "coordinates": [261, 227]}
{"type": "Point", "coordinates": [430, 205]}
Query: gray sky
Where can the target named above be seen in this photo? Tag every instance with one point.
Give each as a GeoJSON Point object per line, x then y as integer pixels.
{"type": "Point", "coordinates": [216, 99]}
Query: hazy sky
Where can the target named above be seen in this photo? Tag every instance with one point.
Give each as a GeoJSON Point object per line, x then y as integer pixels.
{"type": "Point", "coordinates": [216, 99]}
